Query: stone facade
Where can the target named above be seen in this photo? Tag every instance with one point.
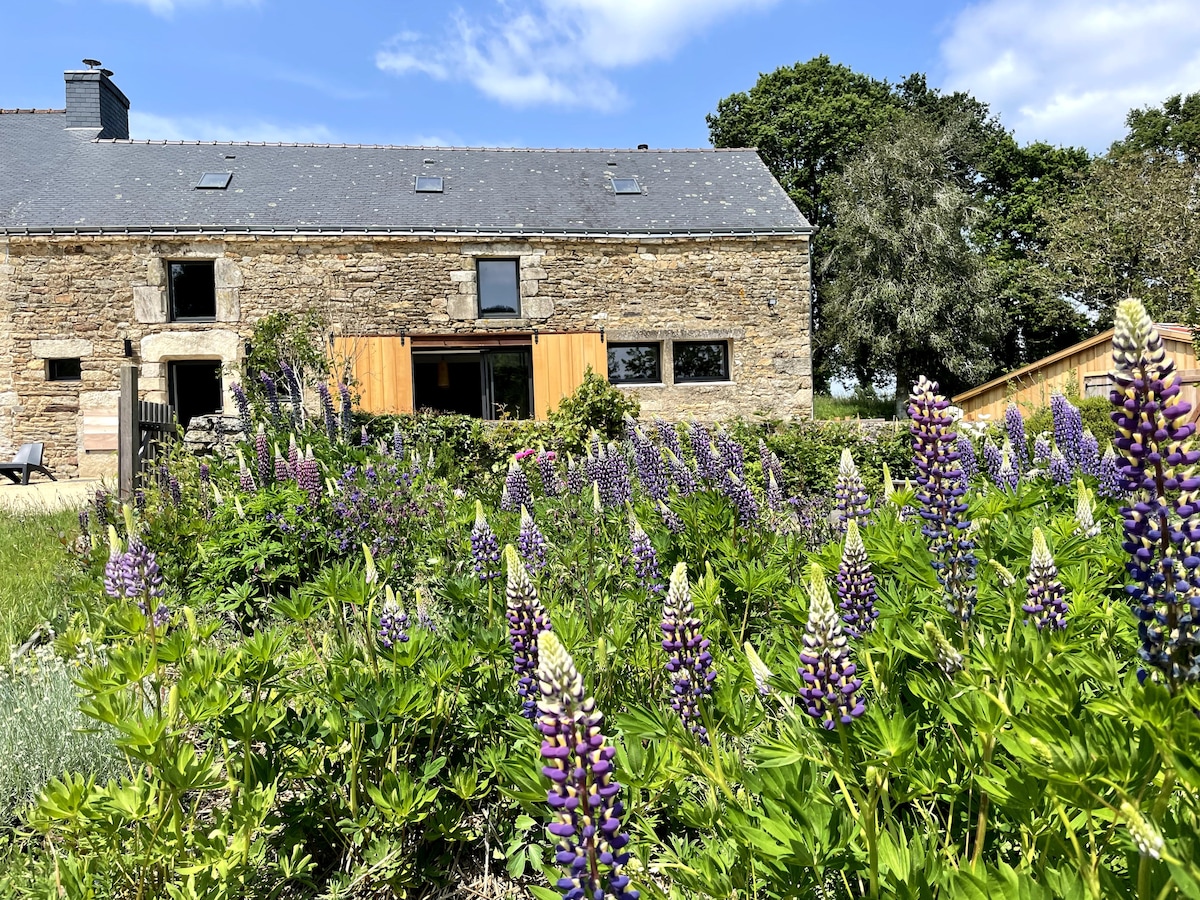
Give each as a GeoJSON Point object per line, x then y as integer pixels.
{"type": "Point", "coordinates": [83, 296]}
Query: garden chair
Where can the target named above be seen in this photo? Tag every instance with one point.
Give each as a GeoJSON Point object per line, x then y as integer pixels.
{"type": "Point", "coordinates": [27, 461]}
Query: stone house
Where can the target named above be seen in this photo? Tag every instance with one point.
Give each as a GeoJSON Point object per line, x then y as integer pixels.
{"type": "Point", "coordinates": [476, 280]}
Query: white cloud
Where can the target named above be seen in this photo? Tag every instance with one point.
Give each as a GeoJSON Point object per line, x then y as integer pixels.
{"type": "Point", "coordinates": [556, 52]}
{"type": "Point", "coordinates": [167, 8]}
{"type": "Point", "coordinates": [147, 126]}
{"type": "Point", "coordinates": [1068, 71]}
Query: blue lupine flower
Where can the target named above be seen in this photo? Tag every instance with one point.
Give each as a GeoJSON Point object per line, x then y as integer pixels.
{"type": "Point", "coordinates": [852, 500]}
{"type": "Point", "coordinates": [527, 619]}
{"type": "Point", "coordinates": [1046, 603]}
{"type": "Point", "coordinates": [690, 664]}
{"type": "Point", "coordinates": [856, 585]}
{"type": "Point", "coordinates": [1014, 423]}
{"type": "Point", "coordinates": [830, 681]}
{"type": "Point", "coordinates": [531, 543]}
{"type": "Point", "coordinates": [645, 558]}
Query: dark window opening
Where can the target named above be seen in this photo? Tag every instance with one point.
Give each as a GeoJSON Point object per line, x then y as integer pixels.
{"type": "Point", "coordinates": [499, 289]}
{"type": "Point", "coordinates": [193, 290]}
{"type": "Point", "coordinates": [634, 363]}
{"type": "Point", "coordinates": [487, 384]}
{"type": "Point", "coordinates": [64, 370]}
{"type": "Point", "coordinates": [195, 388]}
{"type": "Point", "coordinates": [701, 360]}
{"type": "Point", "coordinates": [214, 181]}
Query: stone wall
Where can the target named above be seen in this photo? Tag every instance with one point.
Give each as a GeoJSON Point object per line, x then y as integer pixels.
{"type": "Point", "coordinates": [96, 292]}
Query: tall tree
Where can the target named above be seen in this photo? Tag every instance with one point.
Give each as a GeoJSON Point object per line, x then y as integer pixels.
{"type": "Point", "coordinates": [1173, 128]}
{"type": "Point", "coordinates": [909, 293]}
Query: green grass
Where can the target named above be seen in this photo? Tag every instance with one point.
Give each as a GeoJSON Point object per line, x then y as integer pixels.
{"type": "Point", "coordinates": [33, 563]}
{"type": "Point", "coordinates": [856, 406]}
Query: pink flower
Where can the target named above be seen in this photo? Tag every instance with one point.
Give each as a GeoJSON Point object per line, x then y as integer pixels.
{"type": "Point", "coordinates": [524, 454]}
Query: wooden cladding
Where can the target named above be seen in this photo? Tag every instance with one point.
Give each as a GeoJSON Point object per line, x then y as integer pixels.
{"type": "Point", "coordinates": [559, 364]}
{"type": "Point", "coordinates": [381, 368]}
{"type": "Point", "coordinates": [382, 371]}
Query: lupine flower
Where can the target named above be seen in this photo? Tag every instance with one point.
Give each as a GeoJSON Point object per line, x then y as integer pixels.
{"type": "Point", "coordinates": [1145, 836]}
{"type": "Point", "coordinates": [735, 489]}
{"type": "Point", "coordinates": [645, 558]}
{"type": "Point", "coordinates": [993, 459]}
{"type": "Point", "coordinates": [758, 668]}
{"type": "Point", "coordinates": [308, 476]}
{"type": "Point", "coordinates": [142, 580]}
{"type": "Point", "coordinates": [1110, 475]}
{"type": "Point", "coordinates": [114, 584]}
{"type": "Point", "coordinates": [1085, 515]}
{"type": "Point", "coordinates": [485, 548]}
{"type": "Point", "coordinates": [852, 500]}
{"type": "Point", "coordinates": [243, 405]}
{"type": "Point", "coordinates": [889, 487]}
{"type": "Point", "coordinates": [397, 443]}
{"type": "Point", "coordinates": [966, 456]}
{"type": "Point", "coordinates": [770, 463]}
{"type": "Point", "coordinates": [701, 441]}
{"type": "Point", "coordinates": [347, 411]}
{"type": "Point", "coordinates": [1089, 454]}
{"type": "Point", "coordinates": [856, 585]}
{"type": "Point", "coordinates": [648, 463]}
{"type": "Point", "coordinates": [1008, 478]}
{"type": "Point", "coordinates": [583, 794]}
{"type": "Point", "coordinates": [424, 619]}
{"type": "Point", "coordinates": [940, 493]}
{"type": "Point", "coordinates": [1060, 468]}
{"type": "Point", "coordinates": [364, 439]}
{"type": "Point", "coordinates": [100, 507]}
{"type": "Point", "coordinates": [947, 658]}
{"type": "Point", "coordinates": [1046, 604]}
{"type": "Point", "coordinates": [670, 518]}
{"type": "Point", "coordinates": [774, 494]}
{"type": "Point", "coordinates": [669, 437]}
{"type": "Point", "coordinates": [272, 392]}
{"type": "Point", "coordinates": [293, 456]}
{"type": "Point", "coordinates": [690, 665]}
{"type": "Point", "coordinates": [327, 411]}
{"type": "Point", "coordinates": [1162, 522]}
{"type": "Point", "coordinates": [615, 487]}
{"type": "Point", "coordinates": [393, 621]}
{"type": "Point", "coordinates": [552, 485]}
{"type": "Point", "coordinates": [1068, 428]}
{"type": "Point", "coordinates": [262, 456]}
{"type": "Point", "coordinates": [733, 456]}
{"type": "Point", "coordinates": [517, 492]}
{"type": "Point", "coordinates": [1041, 452]}
{"type": "Point", "coordinates": [531, 543]}
{"type": "Point", "coordinates": [245, 479]}
{"type": "Point", "coordinates": [1007, 578]}
{"type": "Point", "coordinates": [1014, 424]}
{"type": "Point", "coordinates": [576, 477]}
{"type": "Point", "coordinates": [681, 474]}
{"type": "Point", "coordinates": [527, 619]}
{"type": "Point", "coordinates": [293, 382]}
{"type": "Point", "coordinates": [174, 490]}
{"type": "Point", "coordinates": [829, 675]}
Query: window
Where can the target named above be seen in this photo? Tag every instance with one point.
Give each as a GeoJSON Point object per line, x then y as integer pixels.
{"type": "Point", "coordinates": [429, 184]}
{"type": "Point", "coordinates": [701, 360]}
{"type": "Point", "coordinates": [634, 363]}
{"type": "Point", "coordinates": [626, 186]}
{"type": "Point", "coordinates": [193, 291]}
{"type": "Point", "coordinates": [214, 181]}
{"type": "Point", "coordinates": [63, 370]}
{"type": "Point", "coordinates": [499, 289]}
{"type": "Point", "coordinates": [195, 388]}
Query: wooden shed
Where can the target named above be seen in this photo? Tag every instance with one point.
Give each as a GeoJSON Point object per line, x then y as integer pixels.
{"type": "Point", "coordinates": [1081, 369]}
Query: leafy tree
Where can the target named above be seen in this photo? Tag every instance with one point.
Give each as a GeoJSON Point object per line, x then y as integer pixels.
{"type": "Point", "coordinates": [910, 294]}
{"type": "Point", "coordinates": [1172, 129]}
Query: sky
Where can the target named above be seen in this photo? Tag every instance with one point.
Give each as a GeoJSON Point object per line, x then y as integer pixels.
{"type": "Point", "coordinates": [582, 73]}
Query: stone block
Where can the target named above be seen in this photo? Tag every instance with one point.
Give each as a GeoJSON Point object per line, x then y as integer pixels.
{"type": "Point", "coordinates": [537, 307]}
{"type": "Point", "coordinates": [229, 307]}
{"type": "Point", "coordinates": [149, 304]}
{"type": "Point", "coordinates": [529, 288]}
{"type": "Point", "coordinates": [67, 348]}
{"type": "Point", "coordinates": [462, 275]}
{"type": "Point", "coordinates": [461, 307]}
{"type": "Point", "coordinates": [227, 274]}
{"type": "Point", "coordinates": [156, 272]}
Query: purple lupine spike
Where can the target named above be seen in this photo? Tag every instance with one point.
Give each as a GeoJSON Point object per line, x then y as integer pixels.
{"type": "Point", "coordinates": [591, 845]}
{"type": "Point", "coordinates": [940, 492]}
{"type": "Point", "coordinates": [243, 406]}
{"type": "Point", "coordinates": [517, 492]}
{"type": "Point", "coordinates": [737, 491]}
{"type": "Point", "coordinates": [966, 456]}
{"type": "Point", "coordinates": [828, 672]}
{"type": "Point", "coordinates": [1008, 478]}
{"type": "Point", "coordinates": [645, 558]}
{"type": "Point", "coordinates": [205, 490]}
{"type": "Point", "coordinates": [364, 439]}
{"type": "Point", "coordinates": [531, 543]}
{"type": "Point", "coordinates": [1041, 452]}
{"type": "Point", "coordinates": [327, 411]}
{"type": "Point", "coordinates": [308, 476]}
{"type": "Point", "coordinates": [700, 439]}
{"type": "Point", "coordinates": [527, 618]}
{"type": "Point", "coordinates": [1014, 424]}
{"type": "Point", "coordinates": [295, 400]}
{"type": "Point", "coordinates": [114, 581]}
{"type": "Point", "coordinates": [347, 413]}
{"type": "Point", "coordinates": [775, 499]}
{"type": "Point", "coordinates": [620, 488]}
{"type": "Point", "coordinates": [272, 392]}
{"type": "Point", "coordinates": [670, 518]}
{"type": "Point", "coordinates": [174, 491]}
{"type": "Point", "coordinates": [283, 472]}
{"type": "Point", "coordinates": [992, 460]}
{"type": "Point", "coordinates": [485, 548]}
{"type": "Point", "coordinates": [668, 436]}
{"type": "Point", "coordinates": [648, 462]}
{"type": "Point", "coordinates": [681, 474]}
{"type": "Point", "coordinates": [143, 581]}
{"type": "Point", "coordinates": [393, 622]}
{"type": "Point", "coordinates": [245, 479]}
{"type": "Point", "coordinates": [1046, 603]}
{"type": "Point", "coordinates": [771, 466]}
{"type": "Point", "coordinates": [262, 456]}
{"type": "Point", "coordinates": [100, 507]}
{"type": "Point", "coordinates": [852, 500]}
{"type": "Point", "coordinates": [397, 443]}
{"type": "Point", "coordinates": [552, 485]}
{"type": "Point", "coordinates": [1089, 454]}
{"type": "Point", "coordinates": [424, 618]}
{"type": "Point", "coordinates": [1110, 476]}
{"type": "Point", "coordinates": [1068, 428]}
{"type": "Point", "coordinates": [293, 457]}
{"type": "Point", "coordinates": [1060, 468]}
{"type": "Point", "coordinates": [856, 585]}
{"type": "Point", "coordinates": [733, 455]}
{"type": "Point", "coordinates": [1162, 518]}
{"type": "Point", "coordinates": [576, 477]}
{"type": "Point", "coordinates": [690, 665]}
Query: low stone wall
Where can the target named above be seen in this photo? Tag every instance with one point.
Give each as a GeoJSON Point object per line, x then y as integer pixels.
{"type": "Point", "coordinates": [214, 436]}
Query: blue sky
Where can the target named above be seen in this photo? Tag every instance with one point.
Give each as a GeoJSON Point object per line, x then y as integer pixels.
{"type": "Point", "coordinates": [582, 73]}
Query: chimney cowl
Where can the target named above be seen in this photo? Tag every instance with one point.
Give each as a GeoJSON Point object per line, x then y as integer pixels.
{"type": "Point", "coordinates": [94, 102]}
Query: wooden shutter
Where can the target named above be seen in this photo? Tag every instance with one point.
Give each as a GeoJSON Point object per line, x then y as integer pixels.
{"type": "Point", "coordinates": [381, 367]}
{"type": "Point", "coordinates": [559, 363]}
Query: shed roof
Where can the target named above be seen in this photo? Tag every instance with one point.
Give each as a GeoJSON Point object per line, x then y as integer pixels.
{"type": "Point", "coordinates": [59, 180]}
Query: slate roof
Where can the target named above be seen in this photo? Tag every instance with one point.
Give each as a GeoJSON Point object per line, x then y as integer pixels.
{"type": "Point", "coordinates": [57, 180]}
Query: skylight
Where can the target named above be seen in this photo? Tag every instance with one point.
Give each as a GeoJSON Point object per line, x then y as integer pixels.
{"type": "Point", "coordinates": [626, 186]}
{"type": "Point", "coordinates": [429, 184]}
{"type": "Point", "coordinates": [216, 181]}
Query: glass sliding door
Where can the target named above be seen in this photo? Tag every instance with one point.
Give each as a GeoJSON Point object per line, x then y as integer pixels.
{"type": "Point", "coordinates": [508, 384]}
{"type": "Point", "coordinates": [487, 384]}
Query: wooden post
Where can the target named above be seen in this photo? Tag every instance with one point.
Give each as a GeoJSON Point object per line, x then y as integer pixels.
{"type": "Point", "coordinates": [127, 432]}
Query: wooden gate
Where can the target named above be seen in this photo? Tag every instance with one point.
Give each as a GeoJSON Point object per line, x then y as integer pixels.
{"type": "Point", "coordinates": [143, 430]}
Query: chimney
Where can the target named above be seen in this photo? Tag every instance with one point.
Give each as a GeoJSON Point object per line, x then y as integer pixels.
{"type": "Point", "coordinates": [94, 102]}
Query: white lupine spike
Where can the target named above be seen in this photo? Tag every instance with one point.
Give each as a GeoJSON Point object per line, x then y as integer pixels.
{"type": "Point", "coordinates": [846, 466]}
{"type": "Point", "coordinates": [889, 489]}
{"type": "Point", "coordinates": [1149, 842]}
{"type": "Point", "coordinates": [1085, 516]}
{"type": "Point", "coordinates": [758, 668]}
{"type": "Point", "coordinates": [1007, 578]}
{"type": "Point", "coordinates": [1040, 557]}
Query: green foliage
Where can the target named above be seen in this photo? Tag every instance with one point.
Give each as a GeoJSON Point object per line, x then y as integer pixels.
{"type": "Point", "coordinates": [1173, 128]}
{"type": "Point", "coordinates": [1094, 410]}
{"type": "Point", "coordinates": [863, 404]}
{"type": "Point", "coordinates": [34, 552]}
{"type": "Point", "coordinates": [597, 406]}
{"type": "Point", "coordinates": [285, 337]}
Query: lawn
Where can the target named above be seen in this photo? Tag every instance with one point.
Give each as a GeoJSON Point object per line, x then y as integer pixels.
{"type": "Point", "coordinates": [34, 558]}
